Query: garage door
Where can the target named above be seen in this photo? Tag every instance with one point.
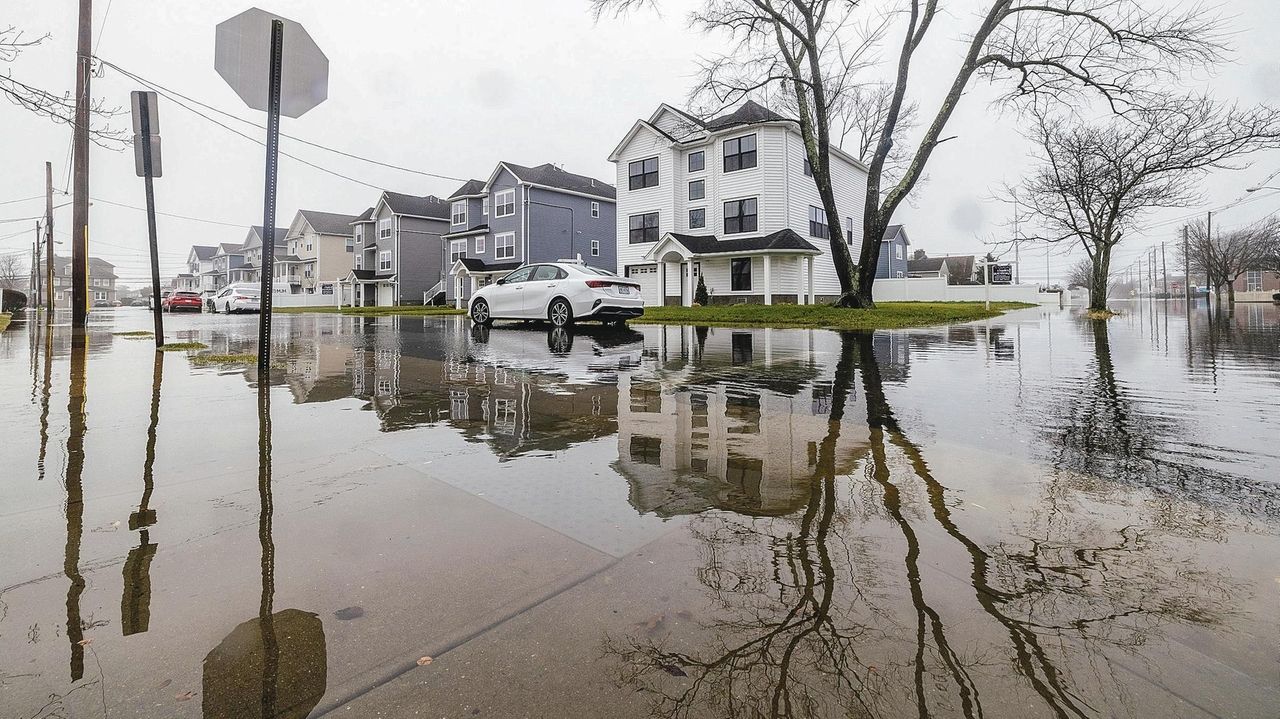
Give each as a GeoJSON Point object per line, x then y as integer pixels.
{"type": "Point", "coordinates": [647, 277]}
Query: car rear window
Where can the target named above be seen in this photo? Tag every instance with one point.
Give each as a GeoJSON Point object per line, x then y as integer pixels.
{"type": "Point", "coordinates": [186, 294]}
{"type": "Point", "coordinates": [599, 271]}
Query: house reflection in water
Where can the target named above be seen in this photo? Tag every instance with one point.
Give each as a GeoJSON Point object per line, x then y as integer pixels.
{"type": "Point", "coordinates": [737, 428]}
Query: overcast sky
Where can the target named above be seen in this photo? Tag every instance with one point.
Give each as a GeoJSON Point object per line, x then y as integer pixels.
{"type": "Point", "coordinates": [453, 87]}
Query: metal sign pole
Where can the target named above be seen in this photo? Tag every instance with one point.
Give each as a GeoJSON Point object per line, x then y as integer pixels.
{"type": "Point", "coordinates": [147, 172]}
{"type": "Point", "coordinates": [267, 269]}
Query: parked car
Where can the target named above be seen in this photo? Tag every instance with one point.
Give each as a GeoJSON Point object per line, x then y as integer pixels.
{"type": "Point", "coordinates": [140, 303]}
{"type": "Point", "coordinates": [238, 298]}
{"type": "Point", "coordinates": [102, 303]}
{"type": "Point", "coordinates": [561, 293]}
{"type": "Point", "coordinates": [182, 301]}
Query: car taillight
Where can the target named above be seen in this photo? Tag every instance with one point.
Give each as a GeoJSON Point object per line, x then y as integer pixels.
{"type": "Point", "coordinates": [597, 284]}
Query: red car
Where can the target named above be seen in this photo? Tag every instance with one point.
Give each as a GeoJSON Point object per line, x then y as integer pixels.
{"type": "Point", "coordinates": [182, 301]}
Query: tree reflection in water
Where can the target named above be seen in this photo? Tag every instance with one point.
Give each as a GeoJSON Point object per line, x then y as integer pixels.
{"type": "Point", "coordinates": [860, 605]}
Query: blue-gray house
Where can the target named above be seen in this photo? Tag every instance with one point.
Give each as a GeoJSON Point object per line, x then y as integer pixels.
{"type": "Point", "coordinates": [526, 214]}
{"type": "Point", "coordinates": [893, 253]}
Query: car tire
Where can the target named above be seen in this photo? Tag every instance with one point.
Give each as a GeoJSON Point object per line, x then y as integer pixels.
{"type": "Point", "coordinates": [560, 313]}
{"type": "Point", "coordinates": [480, 313]}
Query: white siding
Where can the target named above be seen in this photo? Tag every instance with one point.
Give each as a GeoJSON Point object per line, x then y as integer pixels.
{"type": "Point", "coordinates": [850, 184]}
{"type": "Point", "coordinates": [660, 199]}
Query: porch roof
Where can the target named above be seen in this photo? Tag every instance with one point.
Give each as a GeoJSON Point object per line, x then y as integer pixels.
{"type": "Point", "coordinates": [478, 229]}
{"type": "Point", "coordinates": [785, 241]}
{"type": "Point", "coordinates": [369, 276]}
{"type": "Point", "coordinates": [477, 266]}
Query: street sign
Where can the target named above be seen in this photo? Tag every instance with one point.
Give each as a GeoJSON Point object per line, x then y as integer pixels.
{"type": "Point", "coordinates": [139, 161]}
{"type": "Point", "coordinates": [1002, 274]}
{"type": "Point", "coordinates": [146, 155]}
{"type": "Point", "coordinates": [242, 56]}
{"type": "Point", "coordinates": [150, 107]}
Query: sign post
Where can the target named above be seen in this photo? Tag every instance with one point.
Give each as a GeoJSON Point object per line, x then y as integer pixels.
{"type": "Point", "coordinates": [146, 154]}
{"type": "Point", "coordinates": [274, 66]}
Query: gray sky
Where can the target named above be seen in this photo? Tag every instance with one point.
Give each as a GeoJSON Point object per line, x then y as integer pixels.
{"type": "Point", "coordinates": [454, 87]}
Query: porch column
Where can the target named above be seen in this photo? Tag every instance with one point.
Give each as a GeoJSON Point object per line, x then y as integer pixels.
{"type": "Point", "coordinates": [809, 280]}
{"type": "Point", "coordinates": [662, 283]}
{"type": "Point", "coordinates": [687, 299]}
{"type": "Point", "coordinates": [801, 298]}
{"type": "Point", "coordinates": [768, 280]}
{"type": "Point", "coordinates": [457, 294]}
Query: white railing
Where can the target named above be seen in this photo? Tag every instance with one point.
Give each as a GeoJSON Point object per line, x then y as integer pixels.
{"type": "Point", "coordinates": [435, 290]}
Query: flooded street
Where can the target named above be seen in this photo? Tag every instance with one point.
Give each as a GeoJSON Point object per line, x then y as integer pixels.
{"type": "Point", "coordinates": [1036, 516]}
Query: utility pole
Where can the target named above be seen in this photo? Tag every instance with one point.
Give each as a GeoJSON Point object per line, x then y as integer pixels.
{"type": "Point", "coordinates": [48, 236]}
{"type": "Point", "coordinates": [80, 181]}
{"type": "Point", "coordinates": [1186, 265]}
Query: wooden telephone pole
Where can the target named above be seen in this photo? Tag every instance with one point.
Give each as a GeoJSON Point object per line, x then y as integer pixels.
{"type": "Point", "coordinates": [80, 176]}
{"type": "Point", "coordinates": [48, 238]}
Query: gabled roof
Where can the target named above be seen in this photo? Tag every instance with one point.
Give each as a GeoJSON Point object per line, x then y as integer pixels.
{"type": "Point", "coordinates": [749, 113]}
{"type": "Point", "coordinates": [203, 252]}
{"type": "Point", "coordinates": [636, 128]}
{"type": "Point", "coordinates": [470, 188]}
{"type": "Point", "coordinates": [328, 223]}
{"type": "Point", "coordinates": [475, 264]}
{"type": "Point", "coordinates": [927, 264]}
{"type": "Point", "coordinates": [550, 176]}
{"type": "Point", "coordinates": [782, 240]}
{"type": "Point", "coordinates": [230, 248]}
{"type": "Point", "coordinates": [366, 216]}
{"type": "Point", "coordinates": [893, 231]}
{"type": "Point", "coordinates": [428, 206]}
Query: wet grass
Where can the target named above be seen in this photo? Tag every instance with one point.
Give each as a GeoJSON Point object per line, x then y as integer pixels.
{"type": "Point", "coordinates": [135, 334]}
{"type": "Point", "coordinates": [403, 311]}
{"type": "Point", "coordinates": [4, 320]}
{"type": "Point", "coordinates": [886, 315]}
{"type": "Point", "coordinates": [208, 360]}
{"type": "Point", "coordinates": [184, 347]}
{"type": "Point", "coordinates": [1101, 314]}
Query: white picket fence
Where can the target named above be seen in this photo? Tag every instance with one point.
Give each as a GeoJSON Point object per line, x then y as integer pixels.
{"type": "Point", "coordinates": [284, 299]}
{"type": "Point", "coordinates": [936, 289]}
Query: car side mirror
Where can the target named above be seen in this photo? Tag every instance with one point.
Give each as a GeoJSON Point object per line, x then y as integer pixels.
{"type": "Point", "coordinates": [500, 281]}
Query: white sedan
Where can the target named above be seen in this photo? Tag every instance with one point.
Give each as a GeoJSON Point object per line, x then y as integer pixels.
{"type": "Point", "coordinates": [238, 298]}
{"type": "Point", "coordinates": [559, 292]}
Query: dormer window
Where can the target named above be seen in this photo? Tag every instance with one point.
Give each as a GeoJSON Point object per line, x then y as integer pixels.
{"type": "Point", "coordinates": [643, 173]}
{"type": "Point", "coordinates": [740, 153]}
{"type": "Point", "coordinates": [460, 212]}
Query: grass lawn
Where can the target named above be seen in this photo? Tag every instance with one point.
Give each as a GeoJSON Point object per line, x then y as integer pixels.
{"type": "Point", "coordinates": [887, 315]}
{"type": "Point", "coordinates": [409, 310]}
{"type": "Point", "coordinates": [184, 346]}
{"type": "Point", "coordinates": [4, 320]}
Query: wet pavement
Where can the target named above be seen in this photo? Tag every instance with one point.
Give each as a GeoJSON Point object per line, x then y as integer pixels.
{"type": "Point", "coordinates": [1032, 516]}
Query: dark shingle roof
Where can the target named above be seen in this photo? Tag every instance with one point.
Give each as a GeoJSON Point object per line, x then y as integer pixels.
{"type": "Point", "coordinates": [475, 264]}
{"type": "Point", "coordinates": [366, 216]}
{"type": "Point", "coordinates": [231, 248]}
{"type": "Point", "coordinates": [470, 187]}
{"type": "Point", "coordinates": [429, 206]}
{"type": "Point", "coordinates": [928, 264]}
{"type": "Point", "coordinates": [469, 231]}
{"type": "Point", "coordinates": [328, 223]}
{"type": "Point", "coordinates": [890, 232]}
{"type": "Point", "coordinates": [98, 267]}
{"type": "Point", "coordinates": [548, 175]}
{"type": "Point", "coordinates": [709, 245]}
{"type": "Point", "coordinates": [280, 232]}
{"type": "Point", "coordinates": [749, 113]}
{"type": "Point", "coordinates": [204, 252]}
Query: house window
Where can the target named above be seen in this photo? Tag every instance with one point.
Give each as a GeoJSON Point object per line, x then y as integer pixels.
{"type": "Point", "coordinates": [740, 153]}
{"type": "Point", "coordinates": [697, 218]}
{"type": "Point", "coordinates": [697, 161]}
{"type": "Point", "coordinates": [897, 251]}
{"type": "Point", "coordinates": [1253, 281]}
{"type": "Point", "coordinates": [643, 228]}
{"type": "Point", "coordinates": [848, 232]}
{"type": "Point", "coordinates": [697, 189]}
{"type": "Point", "coordinates": [484, 206]}
{"type": "Point", "coordinates": [351, 244]}
{"type": "Point", "coordinates": [643, 173]}
{"type": "Point", "coordinates": [808, 167]}
{"type": "Point", "coordinates": [504, 246]}
{"type": "Point", "coordinates": [818, 223]}
{"type": "Point", "coordinates": [457, 250]}
{"type": "Point", "coordinates": [740, 274]}
{"type": "Point", "coordinates": [359, 234]}
{"type": "Point", "coordinates": [359, 262]}
{"type": "Point", "coordinates": [595, 209]}
{"type": "Point", "coordinates": [309, 245]}
{"type": "Point", "coordinates": [384, 228]}
{"type": "Point", "coordinates": [384, 260]}
{"type": "Point", "coordinates": [480, 245]}
{"type": "Point", "coordinates": [506, 203]}
{"type": "Point", "coordinates": [740, 216]}
{"type": "Point", "coordinates": [460, 212]}
{"type": "Point", "coordinates": [307, 272]}
{"type": "Point", "coordinates": [595, 248]}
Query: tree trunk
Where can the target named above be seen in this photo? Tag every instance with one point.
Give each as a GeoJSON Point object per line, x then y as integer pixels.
{"type": "Point", "coordinates": [1098, 279]}
{"type": "Point", "coordinates": [873, 228]}
{"type": "Point", "coordinates": [1231, 292]}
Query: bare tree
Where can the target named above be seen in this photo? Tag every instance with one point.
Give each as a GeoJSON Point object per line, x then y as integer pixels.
{"type": "Point", "coordinates": [1225, 256]}
{"type": "Point", "coordinates": [57, 107]}
{"type": "Point", "coordinates": [1042, 50]}
{"type": "Point", "coordinates": [12, 271]}
{"type": "Point", "coordinates": [1095, 181]}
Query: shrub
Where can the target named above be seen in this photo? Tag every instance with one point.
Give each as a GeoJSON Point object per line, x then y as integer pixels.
{"type": "Point", "coordinates": [700, 295]}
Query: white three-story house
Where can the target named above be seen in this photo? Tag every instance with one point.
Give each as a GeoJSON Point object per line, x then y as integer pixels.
{"type": "Point", "coordinates": [730, 199]}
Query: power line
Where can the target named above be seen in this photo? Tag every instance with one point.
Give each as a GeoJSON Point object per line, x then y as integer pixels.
{"type": "Point", "coordinates": [174, 93]}
{"type": "Point", "coordinates": [25, 199]}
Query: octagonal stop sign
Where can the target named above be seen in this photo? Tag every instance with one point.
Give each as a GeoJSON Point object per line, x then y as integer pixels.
{"type": "Point", "coordinates": [242, 56]}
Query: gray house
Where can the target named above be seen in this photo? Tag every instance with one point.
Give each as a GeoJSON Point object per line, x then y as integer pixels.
{"type": "Point", "coordinates": [893, 253]}
{"type": "Point", "coordinates": [526, 214]}
{"type": "Point", "coordinates": [396, 252]}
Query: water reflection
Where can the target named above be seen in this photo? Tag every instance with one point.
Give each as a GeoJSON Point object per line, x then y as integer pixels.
{"type": "Point", "coordinates": [811, 619]}
{"type": "Point", "coordinates": [274, 666]}
{"type": "Point", "coordinates": [74, 506]}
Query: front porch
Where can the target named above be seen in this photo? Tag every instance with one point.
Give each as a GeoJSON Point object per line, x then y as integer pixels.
{"type": "Point", "coordinates": [761, 270]}
{"type": "Point", "coordinates": [366, 288]}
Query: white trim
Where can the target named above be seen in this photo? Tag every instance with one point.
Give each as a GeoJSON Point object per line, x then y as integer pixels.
{"type": "Point", "coordinates": [479, 244]}
{"type": "Point", "coordinates": [457, 250]}
{"type": "Point", "coordinates": [498, 204]}
{"type": "Point", "coordinates": [595, 248]}
{"type": "Point", "coordinates": [595, 208]}
{"type": "Point", "coordinates": [384, 256]}
{"type": "Point", "coordinates": [498, 245]}
{"type": "Point", "coordinates": [454, 214]}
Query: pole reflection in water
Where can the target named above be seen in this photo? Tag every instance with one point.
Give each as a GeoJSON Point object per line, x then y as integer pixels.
{"type": "Point", "coordinates": [135, 602]}
{"type": "Point", "coordinates": [46, 388]}
{"type": "Point", "coordinates": [75, 501]}
{"type": "Point", "coordinates": [276, 665]}
{"type": "Point", "coordinates": [874, 595]}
